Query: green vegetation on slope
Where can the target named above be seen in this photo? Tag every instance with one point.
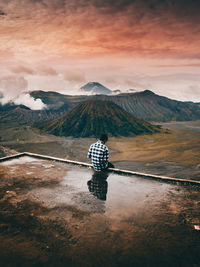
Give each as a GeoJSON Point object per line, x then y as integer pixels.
{"type": "Point", "coordinates": [90, 118]}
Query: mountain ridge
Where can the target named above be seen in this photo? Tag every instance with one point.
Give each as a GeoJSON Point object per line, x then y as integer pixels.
{"type": "Point", "coordinates": [145, 105]}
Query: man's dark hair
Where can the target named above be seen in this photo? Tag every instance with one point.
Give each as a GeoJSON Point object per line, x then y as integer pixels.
{"type": "Point", "coordinates": [104, 137]}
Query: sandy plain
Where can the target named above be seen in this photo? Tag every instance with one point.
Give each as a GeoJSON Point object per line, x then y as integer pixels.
{"type": "Point", "coordinates": [174, 154]}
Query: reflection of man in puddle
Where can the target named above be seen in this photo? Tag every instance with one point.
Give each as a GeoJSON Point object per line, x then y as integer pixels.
{"type": "Point", "coordinates": [98, 153]}
{"type": "Point", "coordinates": [98, 185]}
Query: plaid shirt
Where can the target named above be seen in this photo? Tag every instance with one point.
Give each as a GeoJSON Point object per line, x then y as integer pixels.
{"type": "Point", "coordinates": [98, 187]}
{"type": "Point", "coordinates": [98, 153]}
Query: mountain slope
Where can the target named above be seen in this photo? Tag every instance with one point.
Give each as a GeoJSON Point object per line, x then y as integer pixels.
{"type": "Point", "coordinates": [145, 105]}
{"type": "Point", "coordinates": [91, 118]}
{"type": "Point", "coordinates": [23, 115]}
{"type": "Point", "coordinates": [152, 107]}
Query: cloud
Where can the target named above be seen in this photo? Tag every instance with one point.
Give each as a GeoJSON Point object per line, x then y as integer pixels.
{"type": "Point", "coordinates": [178, 65]}
{"type": "Point", "coordinates": [23, 70]}
{"type": "Point", "coordinates": [47, 71]}
{"type": "Point", "coordinates": [12, 86]}
{"type": "Point", "coordinates": [42, 70]}
{"type": "Point", "coordinates": [90, 34]}
{"type": "Point", "coordinates": [195, 90]}
{"type": "Point", "coordinates": [180, 86]}
{"type": "Point", "coordinates": [75, 76]}
{"type": "Point", "coordinates": [13, 89]}
{"type": "Point", "coordinates": [82, 27]}
{"type": "Point", "coordinates": [134, 84]}
{"type": "Point", "coordinates": [27, 100]}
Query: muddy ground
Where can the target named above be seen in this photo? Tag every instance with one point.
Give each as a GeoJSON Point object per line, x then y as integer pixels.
{"type": "Point", "coordinates": [50, 215]}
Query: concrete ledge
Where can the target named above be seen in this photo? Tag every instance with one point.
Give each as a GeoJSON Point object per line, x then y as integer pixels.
{"type": "Point", "coordinates": [119, 171]}
{"type": "Point", "coordinates": [157, 177]}
{"type": "Point", "coordinates": [12, 157]}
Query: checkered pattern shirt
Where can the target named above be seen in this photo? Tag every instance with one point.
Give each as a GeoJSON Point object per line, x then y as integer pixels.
{"type": "Point", "coordinates": [98, 187]}
{"type": "Point", "coordinates": [98, 153]}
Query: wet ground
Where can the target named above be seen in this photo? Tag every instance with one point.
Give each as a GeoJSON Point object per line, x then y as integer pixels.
{"type": "Point", "coordinates": [56, 214]}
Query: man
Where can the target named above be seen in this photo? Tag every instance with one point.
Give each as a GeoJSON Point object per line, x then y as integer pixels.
{"type": "Point", "coordinates": [98, 153]}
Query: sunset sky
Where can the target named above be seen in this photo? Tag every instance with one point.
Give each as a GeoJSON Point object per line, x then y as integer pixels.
{"type": "Point", "coordinates": [60, 45]}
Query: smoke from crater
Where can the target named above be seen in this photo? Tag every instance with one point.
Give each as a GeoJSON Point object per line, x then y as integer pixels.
{"type": "Point", "coordinates": [14, 89]}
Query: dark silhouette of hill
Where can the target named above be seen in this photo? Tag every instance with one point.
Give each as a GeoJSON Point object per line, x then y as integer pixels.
{"type": "Point", "coordinates": [90, 118]}
{"type": "Point", "coordinates": [145, 105]}
{"type": "Point", "coordinates": [22, 115]}
{"type": "Point", "coordinates": [57, 101]}
{"type": "Point", "coordinates": [10, 106]}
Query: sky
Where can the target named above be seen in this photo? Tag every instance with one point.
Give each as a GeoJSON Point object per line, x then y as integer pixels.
{"type": "Point", "coordinates": [60, 45]}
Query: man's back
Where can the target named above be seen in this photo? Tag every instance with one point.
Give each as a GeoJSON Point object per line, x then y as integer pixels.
{"type": "Point", "coordinates": [98, 153]}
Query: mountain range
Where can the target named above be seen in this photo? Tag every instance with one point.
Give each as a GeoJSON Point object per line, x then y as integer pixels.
{"type": "Point", "coordinates": [20, 114]}
{"type": "Point", "coordinates": [152, 107]}
{"type": "Point", "coordinates": [92, 117]}
{"type": "Point", "coordinates": [145, 105]}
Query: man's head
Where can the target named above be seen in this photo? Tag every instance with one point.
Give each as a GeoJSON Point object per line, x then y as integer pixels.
{"type": "Point", "coordinates": [104, 138]}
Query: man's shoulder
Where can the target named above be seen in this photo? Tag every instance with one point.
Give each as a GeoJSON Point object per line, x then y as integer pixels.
{"type": "Point", "coordinates": [100, 145]}
{"type": "Point", "coordinates": [94, 144]}
{"type": "Point", "coordinates": [103, 146]}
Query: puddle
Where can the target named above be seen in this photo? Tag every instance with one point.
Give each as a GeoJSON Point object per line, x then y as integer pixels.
{"type": "Point", "coordinates": [119, 220]}
{"type": "Point", "coordinates": [120, 195]}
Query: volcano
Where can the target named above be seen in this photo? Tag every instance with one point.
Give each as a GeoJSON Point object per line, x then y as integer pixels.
{"type": "Point", "coordinates": [93, 117]}
{"type": "Point", "coordinates": [95, 88]}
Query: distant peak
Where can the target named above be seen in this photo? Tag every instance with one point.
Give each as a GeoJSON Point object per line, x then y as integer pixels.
{"type": "Point", "coordinates": [94, 83]}
{"type": "Point", "coordinates": [148, 92]}
{"type": "Point", "coordinates": [95, 88]}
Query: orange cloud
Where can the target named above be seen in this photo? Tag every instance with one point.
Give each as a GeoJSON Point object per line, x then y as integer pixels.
{"type": "Point", "coordinates": [93, 27]}
{"type": "Point", "coordinates": [23, 70]}
{"type": "Point", "coordinates": [43, 70]}
{"type": "Point", "coordinates": [75, 76]}
{"type": "Point", "coordinates": [124, 41]}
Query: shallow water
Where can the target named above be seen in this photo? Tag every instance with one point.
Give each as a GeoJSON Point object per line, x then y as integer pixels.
{"type": "Point", "coordinates": [112, 220]}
